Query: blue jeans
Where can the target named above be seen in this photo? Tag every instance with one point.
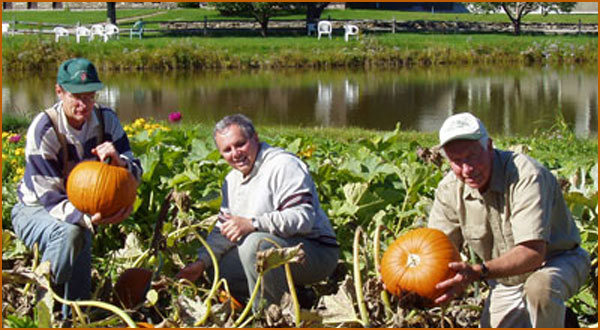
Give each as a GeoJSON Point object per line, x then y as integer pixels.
{"type": "Point", "coordinates": [238, 266]}
{"type": "Point", "coordinates": [68, 247]}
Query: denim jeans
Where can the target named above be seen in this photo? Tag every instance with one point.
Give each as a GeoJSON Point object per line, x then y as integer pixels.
{"type": "Point", "coordinates": [66, 246]}
{"type": "Point", "coordinates": [238, 267]}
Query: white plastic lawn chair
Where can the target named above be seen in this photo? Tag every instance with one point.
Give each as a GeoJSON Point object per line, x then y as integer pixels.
{"type": "Point", "coordinates": [97, 30]}
{"type": "Point", "coordinates": [110, 30]}
{"type": "Point", "coordinates": [324, 27]}
{"type": "Point", "coordinates": [5, 28]}
{"type": "Point", "coordinates": [350, 30]}
{"type": "Point", "coordinates": [137, 30]}
{"type": "Point", "coordinates": [60, 32]}
{"type": "Point", "coordinates": [82, 31]}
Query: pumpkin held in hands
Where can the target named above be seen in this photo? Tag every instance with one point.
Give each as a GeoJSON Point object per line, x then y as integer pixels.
{"type": "Point", "coordinates": [417, 261]}
{"type": "Point", "coordinates": [95, 187]}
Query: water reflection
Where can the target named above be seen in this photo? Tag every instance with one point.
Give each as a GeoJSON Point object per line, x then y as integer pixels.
{"type": "Point", "coordinates": [510, 100]}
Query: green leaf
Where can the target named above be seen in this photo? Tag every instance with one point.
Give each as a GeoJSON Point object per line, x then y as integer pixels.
{"type": "Point", "coordinates": [152, 297]}
{"type": "Point", "coordinates": [43, 315]}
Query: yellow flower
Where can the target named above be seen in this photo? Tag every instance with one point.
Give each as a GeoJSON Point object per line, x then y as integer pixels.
{"type": "Point", "coordinates": [19, 172]}
{"type": "Point", "coordinates": [5, 135]}
{"type": "Point", "coordinates": [19, 152]}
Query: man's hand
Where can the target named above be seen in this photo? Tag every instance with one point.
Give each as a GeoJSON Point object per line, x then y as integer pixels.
{"type": "Point", "coordinates": [118, 217]}
{"type": "Point", "coordinates": [234, 227]}
{"type": "Point", "coordinates": [107, 149]}
{"type": "Point", "coordinates": [465, 275]}
{"type": "Point", "coordinates": [191, 272]}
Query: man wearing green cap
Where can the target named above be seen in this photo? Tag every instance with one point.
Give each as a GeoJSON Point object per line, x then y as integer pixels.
{"type": "Point", "coordinates": [73, 130]}
{"type": "Point", "coordinates": [510, 210]}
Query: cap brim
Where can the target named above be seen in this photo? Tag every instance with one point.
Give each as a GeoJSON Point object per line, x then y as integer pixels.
{"type": "Point", "coordinates": [472, 136]}
{"type": "Point", "coordinates": [91, 87]}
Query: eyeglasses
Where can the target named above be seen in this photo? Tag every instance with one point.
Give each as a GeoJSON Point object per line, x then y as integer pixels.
{"type": "Point", "coordinates": [84, 97]}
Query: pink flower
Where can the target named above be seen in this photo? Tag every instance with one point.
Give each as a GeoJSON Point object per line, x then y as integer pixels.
{"type": "Point", "coordinates": [15, 138]}
{"type": "Point", "coordinates": [175, 116]}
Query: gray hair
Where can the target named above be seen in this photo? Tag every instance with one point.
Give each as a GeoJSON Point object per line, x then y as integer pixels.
{"type": "Point", "coordinates": [238, 119]}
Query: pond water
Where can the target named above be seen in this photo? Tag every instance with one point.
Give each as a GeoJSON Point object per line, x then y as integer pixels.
{"type": "Point", "coordinates": [510, 100]}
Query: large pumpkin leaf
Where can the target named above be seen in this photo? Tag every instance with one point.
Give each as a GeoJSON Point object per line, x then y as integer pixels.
{"type": "Point", "coordinates": [339, 308]}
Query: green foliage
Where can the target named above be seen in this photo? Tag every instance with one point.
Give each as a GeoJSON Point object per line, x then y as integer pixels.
{"type": "Point", "coordinates": [14, 321]}
{"type": "Point", "coordinates": [25, 53]}
{"type": "Point", "coordinates": [15, 123]}
{"type": "Point", "coordinates": [364, 178]}
{"type": "Point", "coordinates": [188, 4]}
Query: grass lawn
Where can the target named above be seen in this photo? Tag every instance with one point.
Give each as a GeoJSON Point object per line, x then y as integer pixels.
{"type": "Point", "coordinates": [70, 17]}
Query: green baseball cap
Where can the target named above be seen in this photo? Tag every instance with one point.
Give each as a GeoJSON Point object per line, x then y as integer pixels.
{"type": "Point", "coordinates": [78, 75]}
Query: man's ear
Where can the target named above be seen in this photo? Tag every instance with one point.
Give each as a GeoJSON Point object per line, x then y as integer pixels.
{"type": "Point", "coordinates": [59, 90]}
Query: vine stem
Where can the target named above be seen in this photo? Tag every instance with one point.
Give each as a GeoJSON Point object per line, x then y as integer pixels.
{"type": "Point", "coordinates": [77, 304]}
{"type": "Point", "coordinates": [362, 306]}
{"type": "Point", "coordinates": [248, 307]}
{"type": "Point", "coordinates": [36, 254]}
{"type": "Point", "coordinates": [291, 286]}
{"type": "Point", "coordinates": [376, 248]}
{"type": "Point", "coordinates": [215, 284]}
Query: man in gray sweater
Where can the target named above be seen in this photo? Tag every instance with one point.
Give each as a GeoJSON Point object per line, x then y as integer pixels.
{"type": "Point", "coordinates": [268, 194]}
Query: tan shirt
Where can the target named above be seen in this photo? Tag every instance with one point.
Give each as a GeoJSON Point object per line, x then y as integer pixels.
{"type": "Point", "coordinates": [523, 203]}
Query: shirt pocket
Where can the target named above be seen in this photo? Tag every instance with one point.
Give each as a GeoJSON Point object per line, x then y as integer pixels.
{"type": "Point", "coordinates": [479, 238]}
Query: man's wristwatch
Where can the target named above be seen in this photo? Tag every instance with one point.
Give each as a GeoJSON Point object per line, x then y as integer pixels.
{"type": "Point", "coordinates": [484, 271]}
{"type": "Point", "coordinates": [255, 224]}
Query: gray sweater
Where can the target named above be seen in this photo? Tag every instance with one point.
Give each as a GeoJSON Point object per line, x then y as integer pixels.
{"type": "Point", "coordinates": [279, 194]}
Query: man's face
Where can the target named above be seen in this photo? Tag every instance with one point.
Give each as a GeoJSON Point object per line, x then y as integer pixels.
{"type": "Point", "coordinates": [238, 150]}
{"type": "Point", "coordinates": [78, 107]}
{"type": "Point", "coordinates": [470, 162]}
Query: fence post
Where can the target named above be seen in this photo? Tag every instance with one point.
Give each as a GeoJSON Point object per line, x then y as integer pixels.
{"type": "Point", "coordinates": [205, 25]}
{"type": "Point", "coordinates": [394, 25]}
{"type": "Point", "coordinates": [579, 27]}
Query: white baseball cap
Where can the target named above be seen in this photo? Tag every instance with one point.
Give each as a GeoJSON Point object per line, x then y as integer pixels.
{"type": "Point", "coordinates": [462, 126]}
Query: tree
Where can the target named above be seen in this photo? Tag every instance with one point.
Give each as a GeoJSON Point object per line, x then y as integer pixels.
{"type": "Point", "coordinates": [261, 11]}
{"type": "Point", "coordinates": [111, 12]}
{"type": "Point", "coordinates": [517, 10]}
{"type": "Point", "coordinates": [314, 10]}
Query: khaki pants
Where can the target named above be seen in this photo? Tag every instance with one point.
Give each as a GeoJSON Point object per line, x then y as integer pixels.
{"type": "Point", "coordinates": [539, 302]}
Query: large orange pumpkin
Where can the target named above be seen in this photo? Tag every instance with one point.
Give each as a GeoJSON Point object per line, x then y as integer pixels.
{"type": "Point", "coordinates": [95, 187]}
{"type": "Point", "coordinates": [417, 261]}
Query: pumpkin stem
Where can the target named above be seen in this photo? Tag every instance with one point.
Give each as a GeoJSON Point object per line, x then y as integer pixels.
{"type": "Point", "coordinates": [413, 260]}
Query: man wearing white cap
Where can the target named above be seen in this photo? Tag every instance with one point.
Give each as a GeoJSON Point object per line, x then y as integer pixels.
{"type": "Point", "coordinates": [510, 210]}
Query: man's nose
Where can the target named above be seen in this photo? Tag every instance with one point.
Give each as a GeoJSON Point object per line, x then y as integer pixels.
{"type": "Point", "coordinates": [467, 168]}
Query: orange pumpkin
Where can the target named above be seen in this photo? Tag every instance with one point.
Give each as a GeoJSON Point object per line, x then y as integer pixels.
{"type": "Point", "coordinates": [417, 261]}
{"type": "Point", "coordinates": [95, 187]}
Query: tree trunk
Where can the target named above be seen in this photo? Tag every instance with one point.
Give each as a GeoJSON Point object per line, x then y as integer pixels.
{"type": "Point", "coordinates": [314, 11]}
{"type": "Point", "coordinates": [111, 12]}
{"type": "Point", "coordinates": [263, 27]}
{"type": "Point", "coordinates": [517, 27]}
